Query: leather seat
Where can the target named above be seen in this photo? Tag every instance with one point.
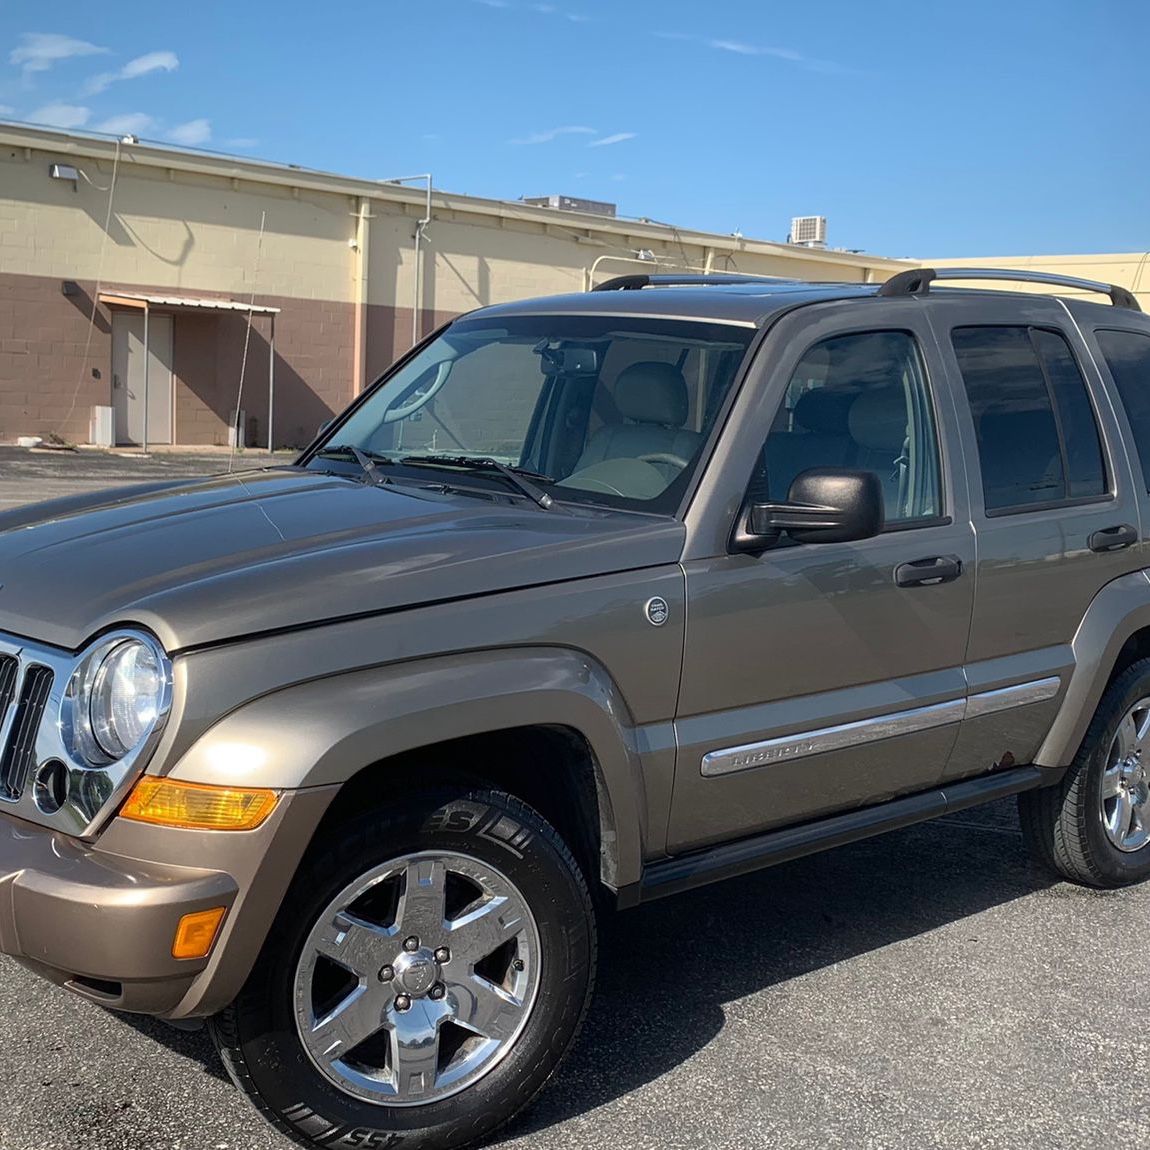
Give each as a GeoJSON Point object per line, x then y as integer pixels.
{"type": "Point", "coordinates": [879, 426]}
{"type": "Point", "coordinates": [652, 398]}
{"type": "Point", "coordinates": [822, 441]}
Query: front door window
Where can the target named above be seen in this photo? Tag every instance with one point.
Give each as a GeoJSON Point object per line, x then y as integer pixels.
{"type": "Point", "coordinates": [859, 401]}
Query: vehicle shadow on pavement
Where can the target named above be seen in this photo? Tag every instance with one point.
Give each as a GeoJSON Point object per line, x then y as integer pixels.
{"type": "Point", "coordinates": [667, 969]}
{"type": "Point", "coordinates": [194, 1045]}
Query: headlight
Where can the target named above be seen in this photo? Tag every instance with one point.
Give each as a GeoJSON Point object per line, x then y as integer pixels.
{"type": "Point", "coordinates": [119, 693]}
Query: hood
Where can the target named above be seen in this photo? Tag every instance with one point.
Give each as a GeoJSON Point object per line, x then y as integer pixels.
{"type": "Point", "coordinates": [207, 561]}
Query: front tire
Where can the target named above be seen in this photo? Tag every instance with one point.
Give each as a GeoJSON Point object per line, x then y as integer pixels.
{"type": "Point", "coordinates": [1093, 828]}
{"type": "Point", "coordinates": [427, 972]}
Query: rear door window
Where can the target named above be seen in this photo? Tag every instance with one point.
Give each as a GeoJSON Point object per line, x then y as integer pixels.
{"type": "Point", "coordinates": [1127, 354]}
{"type": "Point", "coordinates": [1038, 440]}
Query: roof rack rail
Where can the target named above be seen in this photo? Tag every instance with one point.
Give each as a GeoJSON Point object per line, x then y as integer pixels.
{"type": "Point", "coordinates": [917, 281]}
{"type": "Point", "coordinates": [642, 280]}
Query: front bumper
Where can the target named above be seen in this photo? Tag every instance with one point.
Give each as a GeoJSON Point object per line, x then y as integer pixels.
{"type": "Point", "coordinates": [100, 919]}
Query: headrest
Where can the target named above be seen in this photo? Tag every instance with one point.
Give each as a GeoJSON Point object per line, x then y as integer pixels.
{"type": "Point", "coordinates": [878, 420]}
{"type": "Point", "coordinates": [652, 393]}
{"type": "Point", "coordinates": [823, 411]}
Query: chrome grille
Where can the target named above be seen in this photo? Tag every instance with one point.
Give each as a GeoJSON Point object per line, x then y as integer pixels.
{"type": "Point", "coordinates": [9, 673]}
{"type": "Point", "coordinates": [20, 746]}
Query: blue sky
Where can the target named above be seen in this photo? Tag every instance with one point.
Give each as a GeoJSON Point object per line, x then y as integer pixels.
{"type": "Point", "coordinates": [918, 128]}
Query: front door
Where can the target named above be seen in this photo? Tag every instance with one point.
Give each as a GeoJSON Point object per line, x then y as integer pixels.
{"type": "Point", "coordinates": [133, 404]}
{"type": "Point", "coordinates": [819, 677]}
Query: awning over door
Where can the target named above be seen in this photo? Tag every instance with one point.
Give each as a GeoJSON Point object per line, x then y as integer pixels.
{"type": "Point", "coordinates": [147, 299]}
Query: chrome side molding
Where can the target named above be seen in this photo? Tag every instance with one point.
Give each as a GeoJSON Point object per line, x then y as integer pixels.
{"type": "Point", "coordinates": [804, 743]}
{"type": "Point", "coordinates": [1020, 695]}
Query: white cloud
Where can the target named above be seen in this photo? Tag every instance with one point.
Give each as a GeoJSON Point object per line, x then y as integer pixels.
{"type": "Point", "coordinates": [553, 134]}
{"type": "Point", "coordinates": [150, 62]}
{"type": "Point", "coordinates": [7, 110]}
{"type": "Point", "coordinates": [242, 142]}
{"type": "Point", "coordinates": [543, 9]}
{"type": "Point", "coordinates": [129, 124]}
{"type": "Point", "coordinates": [617, 138]}
{"type": "Point", "coordinates": [191, 134]}
{"type": "Point", "coordinates": [38, 51]}
{"type": "Point", "coordinates": [61, 115]}
{"type": "Point", "coordinates": [734, 46]}
{"type": "Point", "coordinates": [163, 61]}
{"type": "Point", "coordinates": [743, 48]}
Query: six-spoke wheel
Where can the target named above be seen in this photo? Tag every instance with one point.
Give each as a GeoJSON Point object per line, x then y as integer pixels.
{"type": "Point", "coordinates": [417, 978]}
{"type": "Point", "coordinates": [426, 974]}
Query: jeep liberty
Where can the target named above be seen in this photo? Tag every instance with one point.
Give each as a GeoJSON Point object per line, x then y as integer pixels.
{"type": "Point", "coordinates": [586, 601]}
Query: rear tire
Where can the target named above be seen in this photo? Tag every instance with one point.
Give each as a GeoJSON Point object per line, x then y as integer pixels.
{"type": "Point", "coordinates": [1093, 828]}
{"type": "Point", "coordinates": [368, 949]}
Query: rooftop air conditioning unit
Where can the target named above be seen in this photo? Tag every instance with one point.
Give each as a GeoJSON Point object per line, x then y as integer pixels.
{"type": "Point", "coordinates": [571, 204]}
{"type": "Point", "coordinates": [809, 231]}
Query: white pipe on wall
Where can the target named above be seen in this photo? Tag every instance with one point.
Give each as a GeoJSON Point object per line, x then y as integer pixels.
{"type": "Point", "coordinates": [420, 231]}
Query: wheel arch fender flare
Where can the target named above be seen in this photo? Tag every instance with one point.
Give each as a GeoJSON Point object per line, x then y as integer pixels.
{"type": "Point", "coordinates": [326, 731]}
{"type": "Point", "coordinates": [1118, 611]}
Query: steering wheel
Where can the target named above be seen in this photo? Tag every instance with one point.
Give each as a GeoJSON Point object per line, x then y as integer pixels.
{"type": "Point", "coordinates": [665, 457]}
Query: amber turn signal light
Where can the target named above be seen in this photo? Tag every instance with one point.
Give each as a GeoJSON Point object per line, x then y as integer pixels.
{"type": "Point", "coordinates": [196, 933]}
{"type": "Point", "coordinates": [197, 806]}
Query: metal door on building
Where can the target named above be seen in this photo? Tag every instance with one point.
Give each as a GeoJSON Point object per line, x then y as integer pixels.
{"type": "Point", "coordinates": [142, 398]}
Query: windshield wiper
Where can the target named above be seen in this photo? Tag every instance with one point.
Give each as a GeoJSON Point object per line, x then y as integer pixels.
{"type": "Point", "coordinates": [518, 477]}
{"type": "Point", "coordinates": [366, 461]}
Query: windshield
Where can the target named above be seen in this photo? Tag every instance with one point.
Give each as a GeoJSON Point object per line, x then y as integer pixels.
{"type": "Point", "coordinates": [602, 409]}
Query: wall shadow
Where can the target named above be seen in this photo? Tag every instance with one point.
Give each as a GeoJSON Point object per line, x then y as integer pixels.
{"type": "Point", "coordinates": [81, 299]}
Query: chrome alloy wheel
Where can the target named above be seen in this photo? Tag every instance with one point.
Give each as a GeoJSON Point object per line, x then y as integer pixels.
{"type": "Point", "coordinates": [417, 978]}
{"type": "Point", "coordinates": [1126, 781]}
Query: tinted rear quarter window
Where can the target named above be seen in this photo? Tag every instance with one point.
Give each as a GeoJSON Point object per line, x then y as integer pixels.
{"type": "Point", "coordinates": [1075, 415]}
{"type": "Point", "coordinates": [1127, 354]}
{"type": "Point", "coordinates": [1038, 441]}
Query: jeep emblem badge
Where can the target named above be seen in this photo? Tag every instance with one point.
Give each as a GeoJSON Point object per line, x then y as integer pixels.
{"type": "Point", "coordinates": [657, 611]}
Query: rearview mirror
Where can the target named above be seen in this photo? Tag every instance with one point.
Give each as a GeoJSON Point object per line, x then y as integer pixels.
{"type": "Point", "coordinates": [824, 505]}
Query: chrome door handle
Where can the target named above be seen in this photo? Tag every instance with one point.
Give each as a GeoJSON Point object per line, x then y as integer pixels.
{"type": "Point", "coordinates": [926, 572]}
{"type": "Point", "coordinates": [1113, 538]}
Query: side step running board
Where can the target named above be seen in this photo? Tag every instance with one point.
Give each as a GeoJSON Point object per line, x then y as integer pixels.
{"type": "Point", "coordinates": [729, 859]}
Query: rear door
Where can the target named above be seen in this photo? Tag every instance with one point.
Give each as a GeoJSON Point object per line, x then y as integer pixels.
{"type": "Point", "coordinates": [1053, 506]}
{"type": "Point", "coordinates": [818, 677]}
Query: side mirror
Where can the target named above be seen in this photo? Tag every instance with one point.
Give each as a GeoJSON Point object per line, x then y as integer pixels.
{"type": "Point", "coordinates": [824, 505]}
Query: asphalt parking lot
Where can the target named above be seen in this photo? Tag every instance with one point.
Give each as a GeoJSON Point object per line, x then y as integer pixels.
{"type": "Point", "coordinates": [930, 988]}
{"type": "Point", "coordinates": [29, 476]}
